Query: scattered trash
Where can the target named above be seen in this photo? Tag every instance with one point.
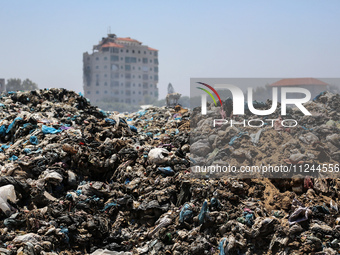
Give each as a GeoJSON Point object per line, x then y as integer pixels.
{"type": "Point", "coordinates": [78, 180]}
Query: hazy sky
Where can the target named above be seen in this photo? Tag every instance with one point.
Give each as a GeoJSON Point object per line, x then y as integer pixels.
{"type": "Point", "coordinates": [44, 40]}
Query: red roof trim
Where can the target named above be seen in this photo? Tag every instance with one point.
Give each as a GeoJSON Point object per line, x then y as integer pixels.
{"type": "Point", "coordinates": [298, 82]}
{"type": "Point", "coordinates": [111, 44]}
{"type": "Point", "coordinates": [127, 39]}
{"type": "Point", "coordinates": [149, 48]}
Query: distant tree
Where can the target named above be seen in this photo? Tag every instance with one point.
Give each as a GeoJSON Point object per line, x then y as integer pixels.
{"type": "Point", "coordinates": [29, 85]}
{"type": "Point", "coordinates": [13, 84]}
{"type": "Point", "coordinates": [16, 84]}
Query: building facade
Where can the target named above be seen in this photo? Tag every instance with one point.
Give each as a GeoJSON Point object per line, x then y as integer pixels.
{"type": "Point", "coordinates": [314, 86]}
{"type": "Point", "coordinates": [2, 85]}
{"type": "Point", "coordinates": [121, 70]}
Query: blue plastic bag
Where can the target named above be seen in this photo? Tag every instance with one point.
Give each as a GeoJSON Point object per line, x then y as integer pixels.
{"type": "Point", "coordinates": [203, 212]}
{"type": "Point", "coordinates": [186, 213]}
{"type": "Point", "coordinates": [49, 130]}
{"type": "Point", "coordinates": [34, 140]}
{"type": "Point", "coordinates": [12, 124]}
{"type": "Point", "coordinates": [133, 128]}
{"type": "Point", "coordinates": [166, 171]}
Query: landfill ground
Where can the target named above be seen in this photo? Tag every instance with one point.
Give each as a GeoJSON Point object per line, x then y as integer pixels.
{"type": "Point", "coordinates": [78, 180]}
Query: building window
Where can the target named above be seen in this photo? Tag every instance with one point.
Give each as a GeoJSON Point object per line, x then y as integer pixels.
{"type": "Point", "coordinates": [139, 60]}
{"type": "Point", "coordinates": [114, 84]}
{"type": "Point", "coordinates": [145, 92]}
{"type": "Point", "coordinates": [114, 67]}
{"type": "Point", "coordinates": [114, 58]}
{"type": "Point", "coordinates": [128, 92]}
{"type": "Point", "coordinates": [150, 85]}
{"type": "Point", "coordinates": [97, 83]}
{"type": "Point", "coordinates": [145, 85]}
{"type": "Point", "coordinates": [97, 67]}
{"type": "Point", "coordinates": [121, 84]}
{"type": "Point", "coordinates": [133, 68]}
{"type": "Point", "coordinates": [127, 68]}
{"type": "Point", "coordinates": [139, 93]}
{"type": "Point", "coordinates": [145, 76]}
{"type": "Point", "coordinates": [105, 58]}
{"type": "Point", "coordinates": [145, 68]}
{"type": "Point", "coordinates": [105, 75]}
{"type": "Point", "coordinates": [114, 50]}
{"type": "Point", "coordinates": [133, 92]}
{"type": "Point", "coordinates": [155, 53]}
{"type": "Point", "coordinates": [105, 83]}
{"type": "Point", "coordinates": [150, 60]}
{"type": "Point", "coordinates": [121, 50]}
{"type": "Point", "coordinates": [134, 85]}
{"type": "Point", "coordinates": [97, 58]}
{"type": "Point", "coordinates": [156, 77]}
{"type": "Point", "coordinates": [133, 76]}
{"type": "Point", "coordinates": [150, 53]}
{"type": "Point", "coordinates": [97, 76]}
{"type": "Point", "coordinates": [88, 58]}
{"type": "Point", "coordinates": [127, 51]}
{"type": "Point", "coordinates": [155, 61]}
{"type": "Point", "coordinates": [150, 77]}
{"type": "Point", "coordinates": [145, 60]}
{"type": "Point", "coordinates": [139, 52]}
{"type": "Point", "coordinates": [133, 101]}
{"type": "Point", "coordinates": [128, 76]}
{"type": "Point", "coordinates": [139, 68]}
{"type": "Point", "coordinates": [139, 85]}
{"type": "Point", "coordinates": [88, 92]}
{"type": "Point", "coordinates": [105, 67]}
{"type": "Point", "coordinates": [114, 75]}
{"type": "Point", "coordinates": [144, 52]}
{"type": "Point", "coordinates": [127, 84]}
{"type": "Point", "coordinates": [133, 51]}
{"type": "Point", "coordinates": [121, 58]}
{"type": "Point", "coordinates": [105, 92]}
{"type": "Point", "coordinates": [122, 92]}
{"type": "Point", "coordinates": [97, 92]}
{"type": "Point", "coordinates": [155, 69]}
{"type": "Point", "coordinates": [117, 92]}
{"type": "Point", "coordinates": [151, 93]}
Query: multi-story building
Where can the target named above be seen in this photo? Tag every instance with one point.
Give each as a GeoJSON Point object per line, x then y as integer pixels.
{"type": "Point", "coordinates": [121, 70]}
{"type": "Point", "coordinates": [2, 85]}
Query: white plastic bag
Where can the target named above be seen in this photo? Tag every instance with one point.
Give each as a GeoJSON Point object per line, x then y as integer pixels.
{"type": "Point", "coordinates": [7, 192]}
{"type": "Point", "coordinates": [156, 156]}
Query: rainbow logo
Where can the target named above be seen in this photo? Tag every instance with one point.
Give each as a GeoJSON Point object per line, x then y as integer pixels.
{"type": "Point", "coordinates": [209, 93]}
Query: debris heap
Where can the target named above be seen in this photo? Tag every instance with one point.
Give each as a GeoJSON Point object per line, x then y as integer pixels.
{"type": "Point", "coordinates": [78, 180]}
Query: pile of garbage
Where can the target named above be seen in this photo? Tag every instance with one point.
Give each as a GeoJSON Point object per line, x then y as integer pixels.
{"type": "Point", "coordinates": [78, 180]}
{"type": "Point", "coordinates": [312, 141]}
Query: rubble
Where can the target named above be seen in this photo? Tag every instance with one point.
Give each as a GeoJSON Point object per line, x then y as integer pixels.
{"type": "Point", "coordinates": [78, 180]}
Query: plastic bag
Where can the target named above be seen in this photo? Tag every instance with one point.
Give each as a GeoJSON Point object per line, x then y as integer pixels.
{"type": "Point", "coordinates": [7, 192]}
{"type": "Point", "coordinates": [49, 130]}
{"type": "Point", "coordinates": [157, 155]}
